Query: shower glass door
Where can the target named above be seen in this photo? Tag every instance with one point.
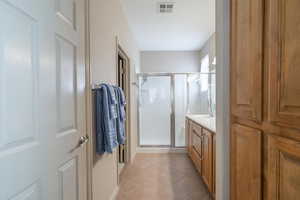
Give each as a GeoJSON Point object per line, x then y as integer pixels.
{"type": "Point", "coordinates": [164, 101]}
{"type": "Point", "coordinates": [155, 110]}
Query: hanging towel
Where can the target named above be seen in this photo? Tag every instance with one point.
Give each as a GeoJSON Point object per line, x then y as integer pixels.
{"type": "Point", "coordinates": [99, 121]}
{"type": "Point", "coordinates": [121, 133]}
{"type": "Point", "coordinates": [106, 116]}
{"type": "Point", "coordinates": [122, 102]}
{"type": "Point", "coordinates": [112, 100]}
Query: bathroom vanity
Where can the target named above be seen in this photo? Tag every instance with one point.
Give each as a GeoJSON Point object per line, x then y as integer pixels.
{"type": "Point", "coordinates": [200, 132]}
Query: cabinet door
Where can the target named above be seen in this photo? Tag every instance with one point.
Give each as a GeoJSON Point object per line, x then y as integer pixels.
{"type": "Point", "coordinates": [207, 156]}
{"type": "Point", "coordinates": [246, 172]}
{"type": "Point", "coordinates": [191, 133]}
{"type": "Point", "coordinates": [188, 135]}
{"type": "Point", "coordinates": [214, 166]}
{"type": "Point", "coordinates": [283, 169]}
{"type": "Point", "coordinates": [246, 58]}
{"type": "Point", "coordinates": [283, 50]}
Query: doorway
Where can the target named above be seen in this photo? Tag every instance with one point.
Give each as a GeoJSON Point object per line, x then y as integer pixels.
{"type": "Point", "coordinates": [123, 81]}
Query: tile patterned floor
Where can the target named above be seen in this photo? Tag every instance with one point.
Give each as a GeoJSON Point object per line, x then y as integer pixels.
{"type": "Point", "coordinates": [161, 177]}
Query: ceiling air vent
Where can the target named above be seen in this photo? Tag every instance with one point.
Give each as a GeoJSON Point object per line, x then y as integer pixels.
{"type": "Point", "coordinates": [165, 7]}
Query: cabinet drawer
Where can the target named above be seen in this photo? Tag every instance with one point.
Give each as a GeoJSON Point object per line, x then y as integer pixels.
{"type": "Point", "coordinates": [196, 160]}
{"type": "Point", "coordinates": [196, 129]}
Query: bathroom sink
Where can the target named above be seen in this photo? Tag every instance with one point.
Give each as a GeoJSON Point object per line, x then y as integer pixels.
{"type": "Point", "coordinates": [204, 120]}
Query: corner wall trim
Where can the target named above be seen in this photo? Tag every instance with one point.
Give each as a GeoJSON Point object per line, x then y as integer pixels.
{"type": "Point", "coordinates": [114, 194]}
{"type": "Point", "coordinates": [222, 98]}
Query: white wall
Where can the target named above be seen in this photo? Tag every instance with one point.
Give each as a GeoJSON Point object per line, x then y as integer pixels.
{"type": "Point", "coordinates": [222, 96]}
{"type": "Point", "coordinates": [170, 61]}
{"type": "Point", "coordinates": [107, 21]}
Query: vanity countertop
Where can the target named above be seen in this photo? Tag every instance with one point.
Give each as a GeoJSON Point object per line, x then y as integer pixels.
{"type": "Point", "coordinates": [204, 120]}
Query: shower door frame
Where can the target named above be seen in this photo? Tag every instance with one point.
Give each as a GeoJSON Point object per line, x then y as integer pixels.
{"type": "Point", "coordinates": [172, 115]}
{"type": "Point", "coordinates": [172, 138]}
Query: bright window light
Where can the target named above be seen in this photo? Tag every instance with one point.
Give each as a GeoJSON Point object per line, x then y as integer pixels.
{"type": "Point", "coordinates": [204, 77]}
{"type": "Point", "coordinates": [205, 64]}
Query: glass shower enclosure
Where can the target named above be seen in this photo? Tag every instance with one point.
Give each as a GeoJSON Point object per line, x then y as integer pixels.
{"type": "Point", "coordinates": [163, 102]}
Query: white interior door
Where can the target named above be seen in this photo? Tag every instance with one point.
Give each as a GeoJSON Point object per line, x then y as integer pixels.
{"type": "Point", "coordinates": [42, 100]}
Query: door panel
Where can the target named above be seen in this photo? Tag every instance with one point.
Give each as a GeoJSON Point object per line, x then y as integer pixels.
{"type": "Point", "coordinates": [284, 169]}
{"type": "Point", "coordinates": [66, 86]}
{"type": "Point", "coordinates": [246, 59]}
{"type": "Point", "coordinates": [246, 172]}
{"type": "Point", "coordinates": [31, 193]}
{"type": "Point", "coordinates": [19, 65]}
{"type": "Point", "coordinates": [22, 141]}
{"type": "Point", "coordinates": [66, 11]}
{"type": "Point", "coordinates": [284, 62]}
{"type": "Point", "coordinates": [68, 177]}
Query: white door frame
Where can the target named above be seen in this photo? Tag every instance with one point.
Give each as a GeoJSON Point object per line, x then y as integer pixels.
{"type": "Point", "coordinates": [222, 99]}
{"type": "Point", "coordinates": [90, 149]}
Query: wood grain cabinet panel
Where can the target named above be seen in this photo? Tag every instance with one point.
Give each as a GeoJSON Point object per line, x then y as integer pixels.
{"type": "Point", "coordinates": [197, 143]}
{"type": "Point", "coordinates": [196, 160]}
{"type": "Point", "coordinates": [188, 137]}
{"type": "Point", "coordinates": [283, 53]}
{"type": "Point", "coordinates": [246, 58]}
{"type": "Point", "coordinates": [246, 171]}
{"type": "Point", "coordinates": [207, 156]}
{"type": "Point", "coordinates": [194, 144]}
{"type": "Point", "coordinates": [283, 169]}
{"type": "Point", "coordinates": [214, 167]}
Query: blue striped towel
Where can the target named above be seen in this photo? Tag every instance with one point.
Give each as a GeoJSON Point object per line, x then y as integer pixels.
{"type": "Point", "coordinates": [106, 116]}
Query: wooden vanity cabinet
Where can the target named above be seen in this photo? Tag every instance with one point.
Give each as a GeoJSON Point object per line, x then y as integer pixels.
{"type": "Point", "coordinates": [201, 147]}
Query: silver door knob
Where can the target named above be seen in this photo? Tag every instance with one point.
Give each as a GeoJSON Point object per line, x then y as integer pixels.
{"type": "Point", "coordinates": [83, 140]}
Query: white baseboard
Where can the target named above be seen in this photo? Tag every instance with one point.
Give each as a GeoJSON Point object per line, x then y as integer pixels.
{"type": "Point", "coordinates": [114, 194]}
{"type": "Point", "coordinates": [132, 157]}
{"type": "Point", "coordinates": [160, 150]}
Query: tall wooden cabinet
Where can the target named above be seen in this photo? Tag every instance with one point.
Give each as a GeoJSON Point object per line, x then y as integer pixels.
{"type": "Point", "coordinates": [265, 99]}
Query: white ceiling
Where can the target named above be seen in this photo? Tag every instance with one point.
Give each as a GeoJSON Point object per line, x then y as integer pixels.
{"type": "Point", "coordinates": [187, 28]}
